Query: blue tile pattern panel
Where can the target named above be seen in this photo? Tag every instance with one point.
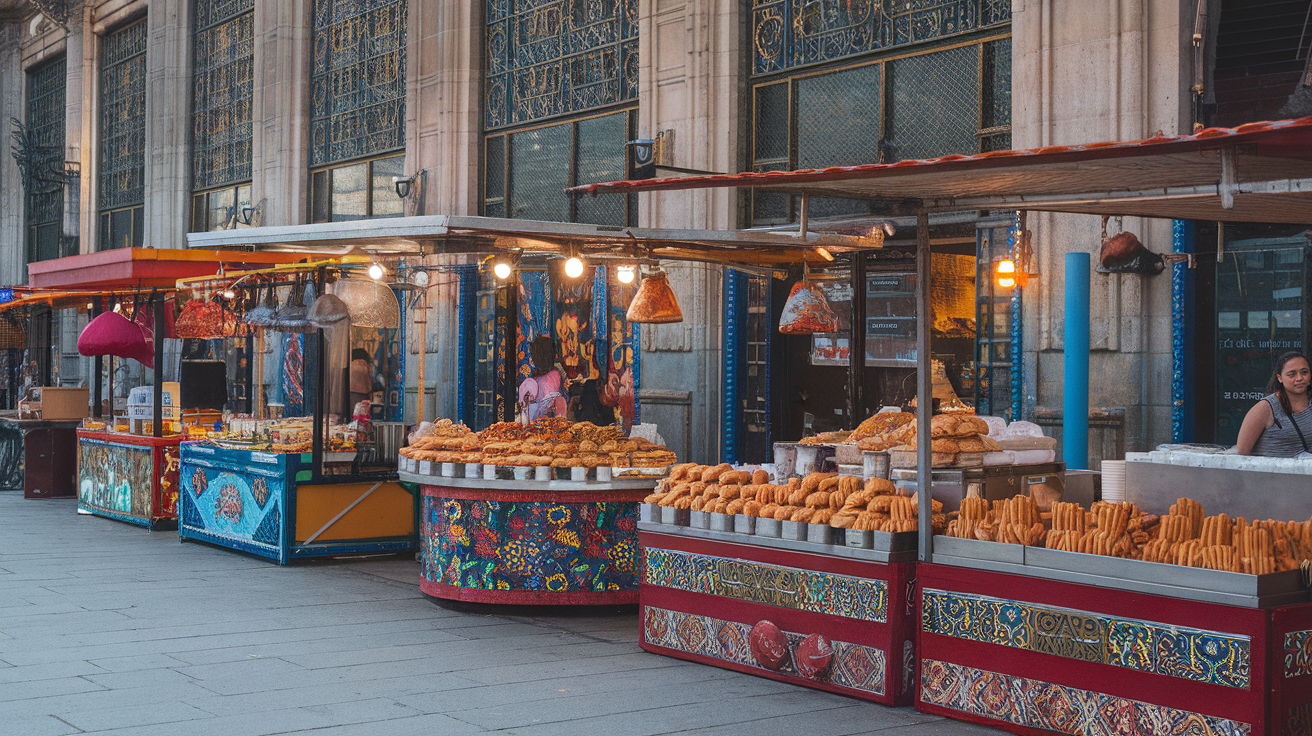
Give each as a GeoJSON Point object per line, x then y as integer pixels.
{"type": "Point", "coordinates": [244, 508]}
{"type": "Point", "coordinates": [1173, 651]}
{"type": "Point", "coordinates": [793, 33]}
{"type": "Point", "coordinates": [771, 585]}
{"type": "Point", "coordinates": [554, 57]}
{"type": "Point", "coordinates": [854, 666]}
{"type": "Point", "coordinates": [1038, 704]}
{"type": "Point", "coordinates": [1298, 653]}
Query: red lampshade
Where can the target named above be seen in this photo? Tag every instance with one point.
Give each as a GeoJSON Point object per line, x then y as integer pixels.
{"type": "Point", "coordinates": [113, 334]}
{"type": "Point", "coordinates": [807, 311]}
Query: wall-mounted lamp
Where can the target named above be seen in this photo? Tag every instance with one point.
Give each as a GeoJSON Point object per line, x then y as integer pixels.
{"type": "Point", "coordinates": [246, 215]}
{"type": "Point", "coordinates": [404, 186]}
{"type": "Point", "coordinates": [502, 269]}
{"type": "Point", "coordinates": [1007, 275]}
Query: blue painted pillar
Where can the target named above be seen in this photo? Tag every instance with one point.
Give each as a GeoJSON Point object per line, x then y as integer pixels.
{"type": "Point", "coordinates": [1182, 335]}
{"type": "Point", "coordinates": [1075, 405]}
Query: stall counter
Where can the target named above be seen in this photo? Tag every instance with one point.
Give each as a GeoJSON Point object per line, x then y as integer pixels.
{"type": "Point", "coordinates": [268, 504]}
{"type": "Point", "coordinates": [43, 454]}
{"type": "Point", "coordinates": [128, 477]}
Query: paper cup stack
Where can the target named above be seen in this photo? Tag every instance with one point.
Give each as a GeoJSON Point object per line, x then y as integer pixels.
{"type": "Point", "coordinates": [1113, 480]}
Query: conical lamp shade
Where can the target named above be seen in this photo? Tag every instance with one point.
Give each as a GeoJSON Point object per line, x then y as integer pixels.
{"type": "Point", "coordinates": [654, 303]}
{"type": "Point", "coordinates": [807, 311]}
{"type": "Point", "coordinates": [372, 303]}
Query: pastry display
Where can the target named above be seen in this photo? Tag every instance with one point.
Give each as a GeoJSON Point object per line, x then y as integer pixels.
{"type": "Point", "coordinates": [550, 442]}
{"type": "Point", "coordinates": [957, 440]}
{"type": "Point", "coordinates": [1185, 536]}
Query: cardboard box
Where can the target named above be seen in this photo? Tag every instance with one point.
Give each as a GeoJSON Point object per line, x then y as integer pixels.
{"type": "Point", "coordinates": [65, 403]}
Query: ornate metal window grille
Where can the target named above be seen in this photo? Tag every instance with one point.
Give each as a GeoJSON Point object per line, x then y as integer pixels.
{"type": "Point", "coordinates": [357, 88]}
{"type": "Point", "coordinates": [43, 160]}
{"type": "Point", "coordinates": [787, 34]}
{"type": "Point", "coordinates": [221, 102]}
{"type": "Point", "coordinates": [123, 117]}
{"type": "Point", "coordinates": [526, 172]}
{"type": "Point", "coordinates": [954, 99]}
{"type": "Point", "coordinates": [556, 57]}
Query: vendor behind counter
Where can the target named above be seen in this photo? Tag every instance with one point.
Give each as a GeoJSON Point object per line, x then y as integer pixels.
{"type": "Point", "coordinates": [1280, 425]}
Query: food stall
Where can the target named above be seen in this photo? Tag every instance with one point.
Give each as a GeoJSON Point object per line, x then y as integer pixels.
{"type": "Point", "coordinates": [1152, 614]}
{"type": "Point", "coordinates": [123, 474]}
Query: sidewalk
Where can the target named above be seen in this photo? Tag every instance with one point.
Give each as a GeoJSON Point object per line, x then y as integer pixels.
{"type": "Point", "coordinates": [107, 628]}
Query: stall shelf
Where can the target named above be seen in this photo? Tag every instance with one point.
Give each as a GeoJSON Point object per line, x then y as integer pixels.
{"type": "Point", "coordinates": [703, 593]}
{"type": "Point", "coordinates": [128, 477]}
{"type": "Point", "coordinates": [552, 542]}
{"type": "Point", "coordinates": [1035, 655]}
{"type": "Point", "coordinates": [271, 505]}
{"type": "Point", "coordinates": [43, 454]}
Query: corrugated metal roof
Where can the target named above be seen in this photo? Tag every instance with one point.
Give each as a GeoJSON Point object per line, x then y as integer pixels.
{"type": "Point", "coordinates": [1260, 172]}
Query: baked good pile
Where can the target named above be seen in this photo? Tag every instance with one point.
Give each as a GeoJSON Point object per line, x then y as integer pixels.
{"type": "Point", "coordinates": [550, 442]}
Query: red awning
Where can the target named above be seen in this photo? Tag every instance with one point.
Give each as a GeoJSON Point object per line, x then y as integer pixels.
{"type": "Point", "coordinates": [129, 268]}
{"type": "Point", "coordinates": [1261, 172]}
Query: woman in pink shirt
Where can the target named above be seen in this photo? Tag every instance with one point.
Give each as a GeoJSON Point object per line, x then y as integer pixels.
{"type": "Point", "coordinates": [543, 395]}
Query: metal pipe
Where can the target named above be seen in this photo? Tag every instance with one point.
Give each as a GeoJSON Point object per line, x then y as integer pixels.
{"type": "Point", "coordinates": [1075, 405]}
{"type": "Point", "coordinates": [856, 356]}
{"type": "Point", "coordinates": [97, 307]}
{"type": "Point", "coordinates": [924, 392]}
{"type": "Point", "coordinates": [159, 365]}
{"type": "Point", "coordinates": [511, 361]}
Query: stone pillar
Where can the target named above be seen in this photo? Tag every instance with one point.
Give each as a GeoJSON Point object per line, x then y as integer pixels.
{"type": "Point", "coordinates": [1082, 73]}
{"type": "Point", "coordinates": [11, 182]}
{"type": "Point", "coordinates": [168, 123]}
{"type": "Point", "coordinates": [75, 196]}
{"type": "Point", "coordinates": [84, 124]}
{"type": "Point", "coordinates": [280, 109]}
{"type": "Point", "coordinates": [443, 103]}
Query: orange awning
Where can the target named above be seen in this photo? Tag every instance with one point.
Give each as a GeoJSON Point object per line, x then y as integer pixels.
{"type": "Point", "coordinates": [130, 268]}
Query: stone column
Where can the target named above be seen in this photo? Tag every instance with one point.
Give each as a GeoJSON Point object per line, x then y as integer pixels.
{"type": "Point", "coordinates": [75, 198]}
{"type": "Point", "coordinates": [280, 113]}
{"type": "Point", "coordinates": [168, 123]}
{"type": "Point", "coordinates": [444, 85]}
{"type": "Point", "coordinates": [11, 181]}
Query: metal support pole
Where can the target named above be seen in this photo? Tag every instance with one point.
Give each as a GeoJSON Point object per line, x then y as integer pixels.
{"type": "Point", "coordinates": [422, 323]}
{"type": "Point", "coordinates": [320, 382]}
{"type": "Point", "coordinates": [97, 307]}
{"type": "Point", "coordinates": [512, 330]}
{"type": "Point", "coordinates": [856, 362]}
{"type": "Point", "coordinates": [1075, 404]}
{"type": "Point", "coordinates": [159, 365]}
{"type": "Point", "coordinates": [924, 390]}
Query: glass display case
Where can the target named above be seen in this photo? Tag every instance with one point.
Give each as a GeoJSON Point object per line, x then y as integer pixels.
{"type": "Point", "coordinates": [890, 320]}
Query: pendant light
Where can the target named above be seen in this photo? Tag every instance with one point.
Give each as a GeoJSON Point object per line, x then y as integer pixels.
{"type": "Point", "coordinates": [806, 310]}
{"type": "Point", "coordinates": [655, 302]}
{"type": "Point", "coordinates": [371, 303]}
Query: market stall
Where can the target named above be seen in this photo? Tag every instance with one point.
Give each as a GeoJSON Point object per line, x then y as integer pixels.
{"type": "Point", "coordinates": [313, 473]}
{"type": "Point", "coordinates": [1043, 612]}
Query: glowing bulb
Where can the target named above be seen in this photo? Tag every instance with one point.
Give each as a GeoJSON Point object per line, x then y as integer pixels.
{"type": "Point", "coordinates": [1006, 274]}
{"type": "Point", "coordinates": [375, 271]}
{"type": "Point", "coordinates": [501, 270]}
{"type": "Point", "coordinates": [1006, 283]}
{"type": "Point", "coordinates": [1006, 267]}
{"type": "Point", "coordinates": [625, 274]}
{"type": "Point", "coordinates": [573, 268]}
{"type": "Point", "coordinates": [229, 294]}
{"type": "Point", "coordinates": [118, 308]}
{"type": "Point", "coordinates": [825, 254]}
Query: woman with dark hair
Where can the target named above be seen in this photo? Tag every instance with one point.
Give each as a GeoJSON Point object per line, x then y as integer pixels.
{"type": "Point", "coordinates": [1280, 425]}
{"type": "Point", "coordinates": [543, 395]}
{"type": "Point", "coordinates": [361, 377]}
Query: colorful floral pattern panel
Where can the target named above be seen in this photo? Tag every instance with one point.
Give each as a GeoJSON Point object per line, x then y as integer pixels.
{"type": "Point", "coordinates": [1298, 653]}
{"type": "Point", "coordinates": [115, 478]}
{"type": "Point", "coordinates": [1039, 704]}
{"type": "Point", "coordinates": [168, 481]}
{"type": "Point", "coordinates": [1173, 651]}
{"type": "Point", "coordinates": [853, 666]}
{"type": "Point", "coordinates": [530, 546]}
{"type": "Point", "coordinates": [771, 585]}
{"type": "Point", "coordinates": [237, 506]}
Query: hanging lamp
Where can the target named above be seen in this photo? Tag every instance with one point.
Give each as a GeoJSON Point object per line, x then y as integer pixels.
{"type": "Point", "coordinates": [371, 303]}
{"type": "Point", "coordinates": [262, 313]}
{"type": "Point", "coordinates": [327, 311]}
{"type": "Point", "coordinates": [291, 318]}
{"type": "Point", "coordinates": [655, 302]}
{"type": "Point", "coordinates": [806, 310]}
{"type": "Point", "coordinates": [111, 333]}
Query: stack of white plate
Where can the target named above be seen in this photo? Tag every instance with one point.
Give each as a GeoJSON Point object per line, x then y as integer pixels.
{"type": "Point", "coordinates": [1113, 480]}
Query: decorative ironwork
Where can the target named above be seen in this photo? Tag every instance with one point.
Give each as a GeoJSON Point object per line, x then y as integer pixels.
{"type": "Point", "coordinates": [792, 33]}
{"type": "Point", "coordinates": [222, 85]}
{"type": "Point", "coordinates": [357, 88]}
{"type": "Point", "coordinates": [555, 57]}
{"type": "Point", "coordinates": [56, 11]}
{"type": "Point", "coordinates": [123, 117]}
{"type": "Point", "coordinates": [39, 149]}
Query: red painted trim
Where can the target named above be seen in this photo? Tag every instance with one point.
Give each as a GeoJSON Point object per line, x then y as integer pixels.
{"type": "Point", "coordinates": [775, 556]}
{"type": "Point", "coordinates": [115, 438]}
{"type": "Point", "coordinates": [565, 497]}
{"type": "Point", "coordinates": [528, 597]}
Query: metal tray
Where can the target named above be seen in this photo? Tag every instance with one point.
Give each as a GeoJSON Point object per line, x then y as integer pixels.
{"type": "Point", "coordinates": [978, 550]}
{"type": "Point", "coordinates": [835, 550]}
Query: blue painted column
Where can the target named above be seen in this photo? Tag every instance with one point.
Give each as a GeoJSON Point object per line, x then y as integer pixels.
{"type": "Point", "coordinates": [1182, 335]}
{"type": "Point", "coordinates": [1075, 404]}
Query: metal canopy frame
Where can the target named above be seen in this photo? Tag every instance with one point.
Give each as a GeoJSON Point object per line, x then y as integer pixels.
{"type": "Point", "coordinates": [1261, 172]}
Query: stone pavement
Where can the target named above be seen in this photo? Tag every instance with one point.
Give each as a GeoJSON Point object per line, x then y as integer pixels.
{"type": "Point", "coordinates": [107, 628]}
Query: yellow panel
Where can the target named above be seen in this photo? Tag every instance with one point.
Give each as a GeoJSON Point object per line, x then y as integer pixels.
{"type": "Point", "coordinates": [387, 512]}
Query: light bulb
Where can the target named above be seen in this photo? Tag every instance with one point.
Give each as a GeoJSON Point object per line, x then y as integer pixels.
{"type": "Point", "coordinates": [1006, 283]}
{"type": "Point", "coordinates": [573, 268]}
{"type": "Point", "coordinates": [375, 271]}
{"type": "Point", "coordinates": [229, 294]}
{"type": "Point", "coordinates": [625, 274]}
{"type": "Point", "coordinates": [501, 270]}
{"type": "Point", "coordinates": [825, 254]}
{"type": "Point", "coordinates": [1006, 267]}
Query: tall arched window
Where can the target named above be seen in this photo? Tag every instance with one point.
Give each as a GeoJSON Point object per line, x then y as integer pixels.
{"type": "Point", "coordinates": [122, 182]}
{"type": "Point", "coordinates": [44, 168]}
{"type": "Point", "coordinates": [224, 50]}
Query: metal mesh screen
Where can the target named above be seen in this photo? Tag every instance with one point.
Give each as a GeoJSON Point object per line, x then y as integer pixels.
{"type": "Point", "coordinates": [494, 177]}
{"type": "Point", "coordinates": [540, 173]}
{"type": "Point", "coordinates": [838, 124]}
{"type": "Point", "coordinates": [599, 156]}
{"type": "Point", "coordinates": [123, 117]}
{"type": "Point", "coordinates": [357, 88]}
{"type": "Point", "coordinates": [935, 104]}
{"type": "Point", "coordinates": [222, 84]}
{"type": "Point", "coordinates": [771, 148]}
{"type": "Point", "coordinates": [554, 57]}
{"type": "Point", "coordinates": [44, 171]}
{"type": "Point", "coordinates": [793, 33]}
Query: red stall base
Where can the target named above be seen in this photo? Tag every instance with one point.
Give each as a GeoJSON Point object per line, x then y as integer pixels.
{"type": "Point", "coordinates": [826, 622]}
{"type": "Point", "coordinates": [128, 477]}
{"type": "Point", "coordinates": [1038, 656]}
